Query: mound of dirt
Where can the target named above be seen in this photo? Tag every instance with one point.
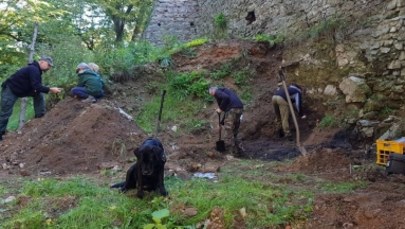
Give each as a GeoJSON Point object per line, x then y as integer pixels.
{"type": "Point", "coordinates": [73, 137]}
{"type": "Point", "coordinates": [323, 162]}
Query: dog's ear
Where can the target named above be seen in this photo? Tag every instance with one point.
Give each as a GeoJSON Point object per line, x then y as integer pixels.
{"type": "Point", "coordinates": [159, 154]}
{"type": "Point", "coordinates": [137, 153]}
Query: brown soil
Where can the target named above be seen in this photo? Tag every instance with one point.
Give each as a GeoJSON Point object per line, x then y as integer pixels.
{"type": "Point", "coordinates": [76, 138]}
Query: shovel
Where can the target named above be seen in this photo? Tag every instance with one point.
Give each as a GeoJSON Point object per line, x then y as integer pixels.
{"type": "Point", "coordinates": [301, 148]}
{"type": "Point", "coordinates": [220, 144]}
{"type": "Point", "coordinates": [162, 99]}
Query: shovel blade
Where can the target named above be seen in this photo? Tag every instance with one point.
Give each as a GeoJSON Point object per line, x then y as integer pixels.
{"type": "Point", "coordinates": [220, 146]}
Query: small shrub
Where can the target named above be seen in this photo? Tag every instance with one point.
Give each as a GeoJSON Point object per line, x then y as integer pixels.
{"type": "Point", "coordinates": [166, 62]}
{"type": "Point", "coordinates": [221, 22]}
{"type": "Point", "coordinates": [387, 111]}
{"type": "Point", "coordinates": [220, 25]}
{"type": "Point", "coordinates": [189, 84]}
{"type": "Point", "coordinates": [328, 121]}
{"type": "Point", "coordinates": [241, 77]}
{"type": "Point", "coordinates": [196, 42]}
{"type": "Point", "coordinates": [224, 71]}
{"type": "Point", "coordinates": [326, 28]}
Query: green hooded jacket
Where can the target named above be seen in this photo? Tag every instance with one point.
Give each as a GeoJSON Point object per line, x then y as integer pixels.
{"type": "Point", "coordinates": [92, 82]}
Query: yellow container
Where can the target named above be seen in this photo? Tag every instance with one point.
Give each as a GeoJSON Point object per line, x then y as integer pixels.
{"type": "Point", "coordinates": [385, 148]}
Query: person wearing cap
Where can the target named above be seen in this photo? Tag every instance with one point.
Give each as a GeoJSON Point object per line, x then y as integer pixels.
{"type": "Point", "coordinates": [25, 82]}
{"type": "Point", "coordinates": [229, 104]}
{"type": "Point", "coordinates": [282, 109]}
{"type": "Point", "coordinates": [90, 84]}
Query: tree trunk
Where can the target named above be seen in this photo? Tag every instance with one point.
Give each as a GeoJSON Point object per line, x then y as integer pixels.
{"type": "Point", "coordinates": [30, 60]}
{"type": "Point", "coordinates": [119, 23]}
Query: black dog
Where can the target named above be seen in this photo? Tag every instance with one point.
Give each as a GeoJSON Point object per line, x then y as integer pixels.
{"type": "Point", "coordinates": [148, 171]}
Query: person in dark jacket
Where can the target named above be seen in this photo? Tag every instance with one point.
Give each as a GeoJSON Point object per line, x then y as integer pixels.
{"type": "Point", "coordinates": [229, 104]}
{"type": "Point", "coordinates": [282, 110]}
{"type": "Point", "coordinates": [25, 82]}
{"type": "Point", "coordinates": [90, 85]}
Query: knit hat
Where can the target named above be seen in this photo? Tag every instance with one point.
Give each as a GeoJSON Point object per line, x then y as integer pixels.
{"type": "Point", "coordinates": [48, 59]}
{"type": "Point", "coordinates": [94, 67]}
{"type": "Point", "coordinates": [83, 66]}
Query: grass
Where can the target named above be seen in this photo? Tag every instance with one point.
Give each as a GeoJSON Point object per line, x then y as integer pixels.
{"type": "Point", "coordinates": [81, 202]}
{"type": "Point", "coordinates": [15, 117]}
{"type": "Point", "coordinates": [342, 187]}
{"type": "Point", "coordinates": [175, 111]}
{"type": "Point", "coordinates": [328, 121]}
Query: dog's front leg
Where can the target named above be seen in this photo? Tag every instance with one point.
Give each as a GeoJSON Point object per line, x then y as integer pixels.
{"type": "Point", "coordinates": [161, 184]}
{"type": "Point", "coordinates": [139, 182]}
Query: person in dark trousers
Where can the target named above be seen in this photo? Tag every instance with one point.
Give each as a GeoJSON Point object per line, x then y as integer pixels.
{"type": "Point", "coordinates": [25, 82]}
{"type": "Point", "coordinates": [282, 110]}
{"type": "Point", "coordinates": [229, 104]}
{"type": "Point", "coordinates": [90, 85]}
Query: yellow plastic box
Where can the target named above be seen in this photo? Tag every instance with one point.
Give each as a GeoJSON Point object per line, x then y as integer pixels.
{"type": "Point", "coordinates": [385, 148]}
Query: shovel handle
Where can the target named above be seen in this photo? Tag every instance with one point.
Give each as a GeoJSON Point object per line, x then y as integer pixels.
{"type": "Point", "coordinates": [282, 79]}
{"type": "Point", "coordinates": [220, 126]}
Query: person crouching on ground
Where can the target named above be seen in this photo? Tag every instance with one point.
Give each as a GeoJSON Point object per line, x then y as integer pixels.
{"type": "Point", "coordinates": [25, 82]}
{"type": "Point", "coordinates": [282, 109]}
{"type": "Point", "coordinates": [229, 104]}
{"type": "Point", "coordinates": [90, 85]}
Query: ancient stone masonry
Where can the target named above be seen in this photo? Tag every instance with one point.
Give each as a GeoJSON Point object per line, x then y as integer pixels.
{"type": "Point", "coordinates": [276, 16]}
{"type": "Point", "coordinates": [371, 46]}
{"type": "Point", "coordinates": [177, 18]}
{"type": "Point", "coordinates": [381, 43]}
{"type": "Point", "coordinates": [188, 19]}
{"type": "Point", "coordinates": [387, 46]}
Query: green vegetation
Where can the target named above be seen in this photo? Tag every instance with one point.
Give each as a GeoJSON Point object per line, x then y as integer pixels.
{"type": "Point", "coordinates": [176, 112]}
{"type": "Point", "coordinates": [196, 42]}
{"type": "Point", "coordinates": [2, 190]}
{"type": "Point", "coordinates": [220, 22]}
{"type": "Point", "coordinates": [269, 200]}
{"type": "Point", "coordinates": [328, 121]}
{"type": "Point", "coordinates": [342, 187]}
{"type": "Point", "coordinates": [15, 118]}
{"type": "Point", "coordinates": [324, 29]}
{"type": "Point", "coordinates": [271, 39]}
{"type": "Point", "coordinates": [188, 93]}
{"type": "Point", "coordinates": [224, 71]}
{"type": "Point", "coordinates": [220, 26]}
{"type": "Point", "coordinates": [386, 111]}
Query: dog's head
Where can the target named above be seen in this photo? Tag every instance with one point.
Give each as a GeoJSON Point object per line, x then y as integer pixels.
{"type": "Point", "coordinates": [150, 157]}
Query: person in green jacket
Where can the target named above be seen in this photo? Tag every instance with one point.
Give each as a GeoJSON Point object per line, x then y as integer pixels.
{"type": "Point", "coordinates": [90, 85]}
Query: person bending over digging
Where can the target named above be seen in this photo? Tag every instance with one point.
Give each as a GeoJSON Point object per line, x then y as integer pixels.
{"type": "Point", "coordinates": [282, 110]}
{"type": "Point", "coordinates": [230, 106]}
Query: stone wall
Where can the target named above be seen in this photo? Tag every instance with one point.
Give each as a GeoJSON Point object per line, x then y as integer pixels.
{"type": "Point", "coordinates": [176, 18]}
{"type": "Point", "coordinates": [371, 45]}
{"type": "Point", "coordinates": [188, 19]}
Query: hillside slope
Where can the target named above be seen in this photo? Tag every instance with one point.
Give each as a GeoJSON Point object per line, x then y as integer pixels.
{"type": "Point", "coordinates": [81, 138]}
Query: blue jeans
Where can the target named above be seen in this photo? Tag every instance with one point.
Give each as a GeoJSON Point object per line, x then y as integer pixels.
{"type": "Point", "coordinates": [8, 99]}
{"type": "Point", "coordinates": [82, 93]}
